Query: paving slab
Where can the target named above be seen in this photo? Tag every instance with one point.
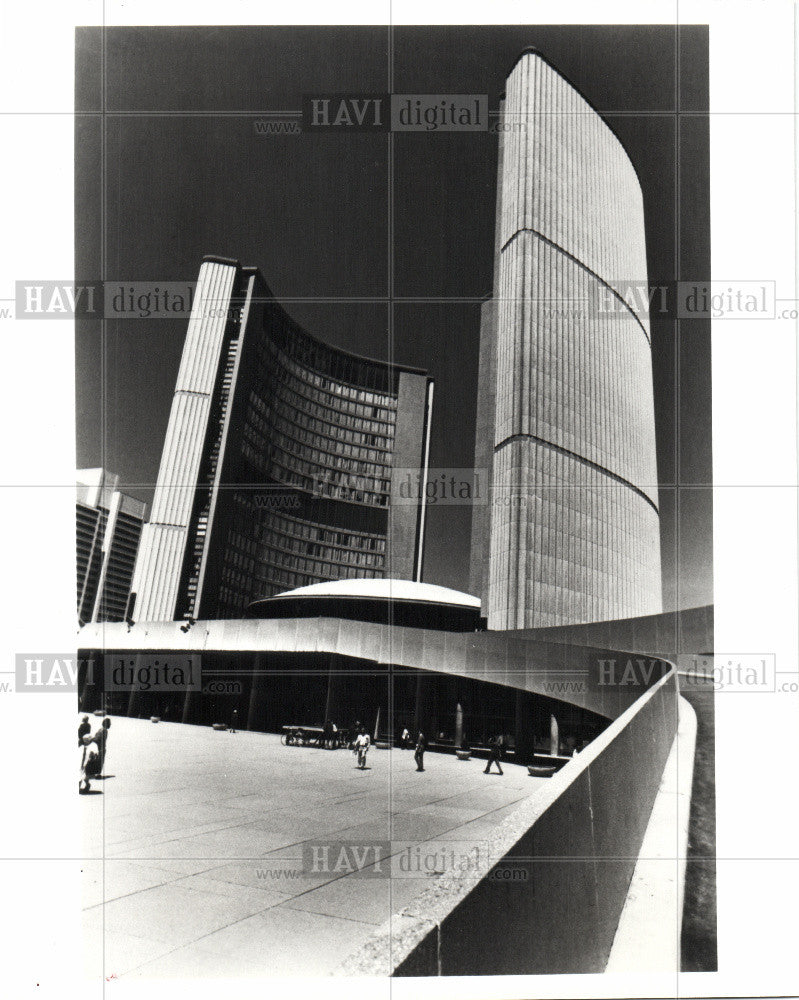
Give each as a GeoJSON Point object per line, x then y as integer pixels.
{"type": "Point", "coordinates": [197, 848]}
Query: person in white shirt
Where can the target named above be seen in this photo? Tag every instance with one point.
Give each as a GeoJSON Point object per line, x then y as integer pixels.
{"type": "Point", "coordinates": [361, 747]}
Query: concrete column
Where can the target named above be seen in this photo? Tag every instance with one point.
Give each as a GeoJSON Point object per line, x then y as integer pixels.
{"type": "Point", "coordinates": [189, 705]}
{"type": "Point", "coordinates": [133, 697]}
{"type": "Point", "coordinates": [91, 688]}
{"type": "Point", "coordinates": [333, 701]}
{"type": "Point", "coordinates": [554, 737]}
{"type": "Point", "coordinates": [421, 714]}
{"type": "Point", "coordinates": [524, 732]}
{"type": "Point", "coordinates": [257, 694]}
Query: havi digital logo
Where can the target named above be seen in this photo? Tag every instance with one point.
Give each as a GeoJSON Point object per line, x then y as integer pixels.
{"type": "Point", "coordinates": [37, 672]}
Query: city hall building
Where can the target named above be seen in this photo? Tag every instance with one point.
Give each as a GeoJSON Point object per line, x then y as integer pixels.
{"type": "Point", "coordinates": [279, 461]}
{"type": "Point", "coordinates": [275, 535]}
{"type": "Point", "coordinates": [278, 570]}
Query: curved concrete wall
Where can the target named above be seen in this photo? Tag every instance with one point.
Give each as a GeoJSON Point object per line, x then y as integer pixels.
{"type": "Point", "coordinates": [574, 524]}
{"type": "Point", "coordinates": [577, 841]}
{"type": "Point", "coordinates": [671, 634]}
{"type": "Point", "coordinates": [603, 681]}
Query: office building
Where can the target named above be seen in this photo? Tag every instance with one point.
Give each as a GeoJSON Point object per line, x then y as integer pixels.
{"type": "Point", "coordinates": [565, 416]}
{"type": "Point", "coordinates": [109, 526]}
{"type": "Point", "coordinates": [280, 459]}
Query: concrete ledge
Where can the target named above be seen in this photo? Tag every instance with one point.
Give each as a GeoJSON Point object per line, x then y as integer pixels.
{"type": "Point", "coordinates": [576, 841]}
{"type": "Point", "coordinates": [648, 936]}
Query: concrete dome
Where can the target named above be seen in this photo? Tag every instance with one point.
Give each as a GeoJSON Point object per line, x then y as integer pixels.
{"type": "Point", "coordinates": [386, 602]}
{"type": "Point", "coordinates": [389, 590]}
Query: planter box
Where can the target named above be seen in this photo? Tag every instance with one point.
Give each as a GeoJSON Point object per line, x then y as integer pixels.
{"type": "Point", "coordinates": [155, 718]}
{"type": "Point", "coordinates": [463, 754]}
{"type": "Point", "coordinates": [541, 771]}
{"type": "Point", "coordinates": [219, 726]}
{"type": "Point", "coordinates": [550, 760]}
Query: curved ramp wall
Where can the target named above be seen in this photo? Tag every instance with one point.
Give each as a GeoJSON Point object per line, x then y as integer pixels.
{"type": "Point", "coordinates": [603, 681]}
{"type": "Point", "coordinates": [577, 841]}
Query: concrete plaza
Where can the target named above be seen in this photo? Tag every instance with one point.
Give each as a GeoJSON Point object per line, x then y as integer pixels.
{"type": "Point", "coordinates": [194, 848]}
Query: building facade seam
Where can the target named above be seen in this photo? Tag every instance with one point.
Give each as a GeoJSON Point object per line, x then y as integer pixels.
{"type": "Point", "coordinates": [579, 458]}
{"type": "Point", "coordinates": [583, 265]}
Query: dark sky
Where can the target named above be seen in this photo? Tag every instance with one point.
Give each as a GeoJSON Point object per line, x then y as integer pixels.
{"type": "Point", "coordinates": [174, 170]}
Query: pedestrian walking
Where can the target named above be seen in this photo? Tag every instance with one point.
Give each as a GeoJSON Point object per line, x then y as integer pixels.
{"type": "Point", "coordinates": [421, 746]}
{"type": "Point", "coordinates": [234, 720]}
{"type": "Point", "coordinates": [405, 739]}
{"type": "Point", "coordinates": [497, 747]}
{"type": "Point", "coordinates": [100, 739]}
{"type": "Point", "coordinates": [361, 747]}
{"type": "Point", "coordinates": [89, 765]}
{"type": "Point", "coordinates": [327, 735]}
{"type": "Point", "coordinates": [84, 729]}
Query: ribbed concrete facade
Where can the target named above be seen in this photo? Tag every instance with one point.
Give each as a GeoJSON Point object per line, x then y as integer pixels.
{"type": "Point", "coordinates": [109, 526]}
{"type": "Point", "coordinates": [574, 524]}
{"type": "Point", "coordinates": [163, 544]}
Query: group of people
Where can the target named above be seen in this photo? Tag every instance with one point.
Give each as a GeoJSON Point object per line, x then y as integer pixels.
{"type": "Point", "coordinates": [361, 743]}
{"type": "Point", "coordinates": [360, 746]}
{"type": "Point", "coordinates": [496, 750]}
{"type": "Point", "coordinates": [331, 738]}
{"type": "Point", "coordinates": [92, 749]}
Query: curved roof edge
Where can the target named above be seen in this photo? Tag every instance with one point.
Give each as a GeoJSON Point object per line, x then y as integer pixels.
{"type": "Point", "coordinates": [247, 269]}
{"type": "Point", "coordinates": [531, 50]}
{"type": "Point", "coordinates": [381, 589]}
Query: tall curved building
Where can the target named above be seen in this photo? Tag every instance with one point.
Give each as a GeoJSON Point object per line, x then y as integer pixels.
{"type": "Point", "coordinates": [567, 419]}
{"type": "Point", "coordinates": [278, 461]}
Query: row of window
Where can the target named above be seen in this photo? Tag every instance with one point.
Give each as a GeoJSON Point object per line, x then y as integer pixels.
{"type": "Point", "coordinates": [284, 405]}
{"type": "Point", "coordinates": [237, 590]}
{"type": "Point", "coordinates": [317, 479]}
{"type": "Point", "coordinates": [338, 388]}
{"type": "Point", "coordinates": [281, 578]}
{"type": "Point", "coordinates": [326, 361]}
{"type": "Point", "coordinates": [321, 560]}
{"type": "Point", "coordinates": [299, 381]}
{"type": "Point", "coordinates": [292, 528]}
{"type": "Point", "coordinates": [324, 563]}
{"type": "Point", "coordinates": [306, 441]}
{"type": "Point", "coordinates": [330, 422]}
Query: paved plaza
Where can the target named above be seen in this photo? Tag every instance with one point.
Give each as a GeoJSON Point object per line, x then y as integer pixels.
{"type": "Point", "coordinates": [198, 860]}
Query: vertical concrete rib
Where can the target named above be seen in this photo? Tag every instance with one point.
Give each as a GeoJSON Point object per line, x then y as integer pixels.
{"type": "Point", "coordinates": [163, 543]}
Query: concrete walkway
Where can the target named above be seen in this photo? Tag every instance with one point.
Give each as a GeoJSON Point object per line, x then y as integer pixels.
{"type": "Point", "coordinates": [648, 936]}
{"type": "Point", "coordinates": [209, 853]}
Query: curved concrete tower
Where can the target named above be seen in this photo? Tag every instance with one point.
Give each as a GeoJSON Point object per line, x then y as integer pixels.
{"type": "Point", "coordinates": [574, 522]}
